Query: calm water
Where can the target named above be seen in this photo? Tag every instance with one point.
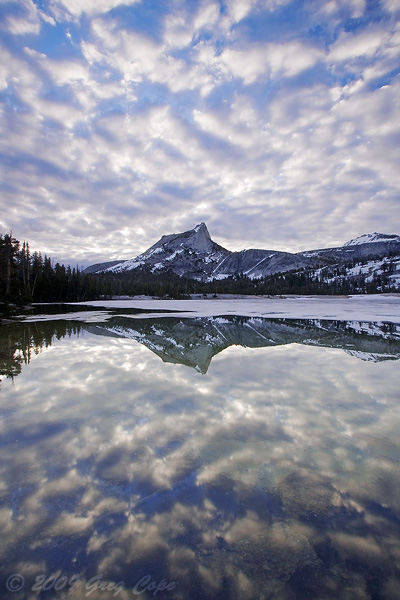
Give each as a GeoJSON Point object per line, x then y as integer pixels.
{"type": "Point", "coordinates": [227, 458]}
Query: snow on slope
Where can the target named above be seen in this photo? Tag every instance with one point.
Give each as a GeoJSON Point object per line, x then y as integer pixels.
{"type": "Point", "coordinates": [368, 238]}
{"type": "Point", "coordinates": [385, 266]}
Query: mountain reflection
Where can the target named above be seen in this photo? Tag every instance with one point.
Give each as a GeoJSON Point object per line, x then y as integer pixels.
{"type": "Point", "coordinates": [276, 476]}
{"type": "Point", "coordinates": [195, 341]}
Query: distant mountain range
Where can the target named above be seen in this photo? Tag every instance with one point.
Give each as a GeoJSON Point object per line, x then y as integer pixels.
{"type": "Point", "coordinates": [194, 255]}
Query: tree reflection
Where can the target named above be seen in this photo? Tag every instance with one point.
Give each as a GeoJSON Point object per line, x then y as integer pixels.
{"type": "Point", "coordinates": [20, 341]}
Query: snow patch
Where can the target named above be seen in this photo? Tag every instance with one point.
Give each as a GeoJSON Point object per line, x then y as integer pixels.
{"type": "Point", "coordinates": [370, 356]}
{"type": "Point", "coordinates": [152, 252]}
{"type": "Point", "coordinates": [174, 254]}
{"type": "Point", "coordinates": [126, 266]}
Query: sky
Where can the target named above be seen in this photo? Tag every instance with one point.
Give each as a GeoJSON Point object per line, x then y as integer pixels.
{"type": "Point", "coordinates": [275, 122]}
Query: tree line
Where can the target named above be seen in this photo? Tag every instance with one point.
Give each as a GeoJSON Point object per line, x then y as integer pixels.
{"type": "Point", "coordinates": [31, 277]}
{"type": "Point", "coordinates": [27, 276]}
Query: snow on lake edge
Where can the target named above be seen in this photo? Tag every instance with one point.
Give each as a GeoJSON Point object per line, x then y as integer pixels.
{"type": "Point", "coordinates": [369, 308]}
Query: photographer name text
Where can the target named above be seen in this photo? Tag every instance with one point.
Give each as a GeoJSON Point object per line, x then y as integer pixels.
{"type": "Point", "coordinates": [44, 583]}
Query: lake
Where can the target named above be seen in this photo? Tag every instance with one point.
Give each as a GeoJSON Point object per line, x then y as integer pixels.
{"type": "Point", "coordinates": [214, 457]}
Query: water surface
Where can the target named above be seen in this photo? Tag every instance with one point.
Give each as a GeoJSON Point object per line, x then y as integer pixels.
{"type": "Point", "coordinates": [227, 458]}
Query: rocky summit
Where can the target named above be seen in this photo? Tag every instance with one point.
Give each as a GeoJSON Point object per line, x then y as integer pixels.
{"type": "Point", "coordinates": [194, 255]}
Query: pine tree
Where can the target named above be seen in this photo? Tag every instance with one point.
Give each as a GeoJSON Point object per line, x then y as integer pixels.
{"type": "Point", "coordinates": [9, 247]}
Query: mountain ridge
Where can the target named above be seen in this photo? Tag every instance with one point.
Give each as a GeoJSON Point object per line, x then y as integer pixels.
{"type": "Point", "coordinates": [194, 255]}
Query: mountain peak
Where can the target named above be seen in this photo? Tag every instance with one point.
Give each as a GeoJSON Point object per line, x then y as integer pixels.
{"type": "Point", "coordinates": [201, 227]}
{"type": "Point", "coordinates": [200, 239]}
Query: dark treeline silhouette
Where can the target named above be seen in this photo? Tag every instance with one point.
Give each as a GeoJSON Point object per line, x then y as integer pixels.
{"type": "Point", "coordinates": [30, 277]}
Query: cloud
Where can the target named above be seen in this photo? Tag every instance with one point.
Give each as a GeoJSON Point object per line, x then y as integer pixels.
{"type": "Point", "coordinates": [270, 60]}
{"type": "Point", "coordinates": [352, 45]}
{"type": "Point", "coordinates": [274, 122]}
{"type": "Point", "coordinates": [355, 8]}
{"type": "Point", "coordinates": [239, 9]}
{"type": "Point", "coordinates": [22, 18]}
{"type": "Point", "coordinates": [132, 53]}
{"type": "Point", "coordinates": [207, 16]}
{"type": "Point", "coordinates": [89, 7]}
{"type": "Point", "coordinates": [177, 33]}
{"type": "Point", "coordinates": [391, 6]}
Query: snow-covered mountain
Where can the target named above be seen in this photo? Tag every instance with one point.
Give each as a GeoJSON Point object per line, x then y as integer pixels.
{"type": "Point", "coordinates": [193, 254]}
{"type": "Point", "coordinates": [370, 238]}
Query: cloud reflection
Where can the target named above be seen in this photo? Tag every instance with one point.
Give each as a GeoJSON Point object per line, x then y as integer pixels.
{"type": "Point", "coordinates": [275, 473]}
